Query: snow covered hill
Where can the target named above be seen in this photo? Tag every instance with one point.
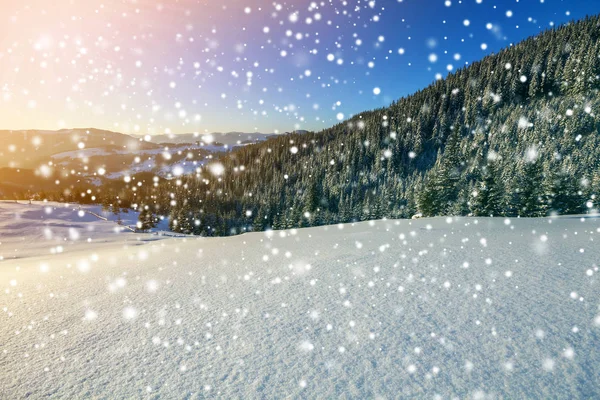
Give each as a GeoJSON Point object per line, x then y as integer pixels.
{"type": "Point", "coordinates": [46, 228]}
{"type": "Point", "coordinates": [431, 308]}
{"type": "Point", "coordinates": [230, 138]}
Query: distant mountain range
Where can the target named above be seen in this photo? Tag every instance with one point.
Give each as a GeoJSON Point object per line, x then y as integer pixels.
{"type": "Point", "coordinates": [228, 138]}
{"type": "Point", "coordinates": [30, 148]}
{"type": "Point", "coordinates": [33, 159]}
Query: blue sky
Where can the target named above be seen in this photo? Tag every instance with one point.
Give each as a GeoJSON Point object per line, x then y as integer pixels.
{"type": "Point", "coordinates": [201, 66]}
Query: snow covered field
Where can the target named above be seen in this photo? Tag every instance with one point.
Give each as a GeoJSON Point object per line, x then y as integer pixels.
{"type": "Point", "coordinates": [46, 228]}
{"type": "Point", "coordinates": [431, 308]}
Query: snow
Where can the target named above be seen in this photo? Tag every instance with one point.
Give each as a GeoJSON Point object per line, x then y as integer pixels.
{"type": "Point", "coordinates": [84, 153]}
{"type": "Point", "coordinates": [44, 229]}
{"type": "Point", "coordinates": [181, 168]}
{"type": "Point", "coordinates": [448, 307]}
{"type": "Point", "coordinates": [99, 151]}
{"type": "Point", "coordinates": [147, 165]}
{"type": "Point", "coordinates": [134, 168]}
{"type": "Point", "coordinates": [227, 138]}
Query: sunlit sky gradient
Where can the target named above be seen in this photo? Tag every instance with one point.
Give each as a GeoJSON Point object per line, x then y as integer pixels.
{"type": "Point", "coordinates": [148, 66]}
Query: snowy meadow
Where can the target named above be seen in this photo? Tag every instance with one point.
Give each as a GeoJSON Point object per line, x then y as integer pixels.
{"type": "Point", "coordinates": [429, 308]}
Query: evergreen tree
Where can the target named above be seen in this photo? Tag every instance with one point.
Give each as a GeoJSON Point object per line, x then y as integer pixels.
{"type": "Point", "coordinates": [488, 200]}
{"type": "Point", "coordinates": [564, 194]}
{"type": "Point", "coordinates": [532, 194]}
{"type": "Point", "coordinates": [146, 220]}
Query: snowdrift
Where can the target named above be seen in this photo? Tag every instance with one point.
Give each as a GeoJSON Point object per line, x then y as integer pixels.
{"type": "Point", "coordinates": [428, 308]}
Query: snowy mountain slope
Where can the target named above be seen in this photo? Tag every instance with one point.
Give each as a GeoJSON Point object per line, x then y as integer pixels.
{"type": "Point", "coordinates": [96, 152]}
{"type": "Point", "coordinates": [45, 229]}
{"type": "Point", "coordinates": [432, 308]}
{"type": "Point", "coordinates": [228, 138]}
{"type": "Point", "coordinates": [116, 164]}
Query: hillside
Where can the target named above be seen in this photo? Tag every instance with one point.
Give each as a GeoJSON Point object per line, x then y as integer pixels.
{"type": "Point", "coordinates": [515, 134]}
